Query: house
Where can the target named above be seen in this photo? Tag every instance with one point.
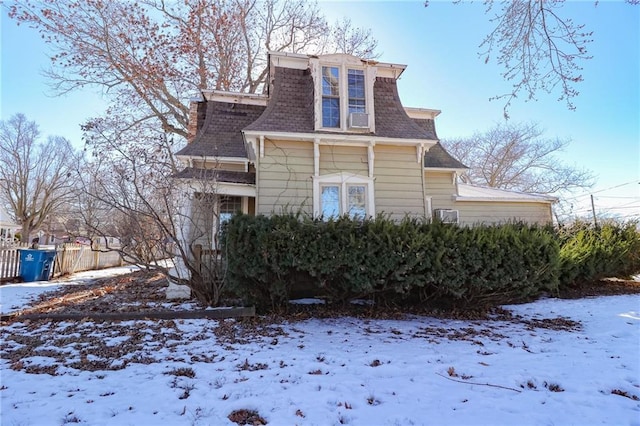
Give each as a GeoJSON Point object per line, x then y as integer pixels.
{"type": "Point", "coordinates": [330, 137]}
{"type": "Point", "coordinates": [8, 228]}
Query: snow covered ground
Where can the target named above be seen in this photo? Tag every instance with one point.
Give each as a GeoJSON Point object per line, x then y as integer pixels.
{"type": "Point", "coordinates": [538, 368]}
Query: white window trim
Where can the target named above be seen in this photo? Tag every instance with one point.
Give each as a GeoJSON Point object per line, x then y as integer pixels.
{"type": "Point", "coordinates": [343, 179]}
{"type": "Point", "coordinates": [344, 63]}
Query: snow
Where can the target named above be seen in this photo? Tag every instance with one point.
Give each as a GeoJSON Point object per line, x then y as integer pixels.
{"type": "Point", "coordinates": [415, 371]}
{"type": "Point", "coordinates": [15, 296]}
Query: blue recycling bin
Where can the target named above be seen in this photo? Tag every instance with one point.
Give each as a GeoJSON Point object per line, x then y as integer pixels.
{"type": "Point", "coordinates": [36, 265]}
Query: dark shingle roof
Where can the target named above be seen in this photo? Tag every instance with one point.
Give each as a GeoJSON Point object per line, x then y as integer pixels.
{"type": "Point", "coordinates": [391, 119]}
{"type": "Point", "coordinates": [221, 135]}
{"type": "Point", "coordinates": [290, 107]}
{"type": "Point", "coordinates": [438, 157]}
{"type": "Point", "coordinates": [217, 175]}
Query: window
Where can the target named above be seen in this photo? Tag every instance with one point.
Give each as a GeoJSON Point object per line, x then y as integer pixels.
{"type": "Point", "coordinates": [208, 213]}
{"type": "Point", "coordinates": [342, 193]}
{"type": "Point", "coordinates": [330, 201]}
{"type": "Point", "coordinates": [341, 92]}
{"type": "Point", "coordinates": [356, 200]}
{"type": "Point", "coordinates": [330, 97]}
{"type": "Point", "coordinates": [228, 207]}
{"type": "Point", "coordinates": [356, 91]}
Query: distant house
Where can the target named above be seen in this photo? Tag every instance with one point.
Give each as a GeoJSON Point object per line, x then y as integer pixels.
{"type": "Point", "coordinates": [8, 228]}
{"type": "Point", "coordinates": [331, 137]}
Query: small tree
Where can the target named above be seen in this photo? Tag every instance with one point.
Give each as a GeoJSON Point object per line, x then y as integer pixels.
{"type": "Point", "coordinates": [129, 191]}
{"type": "Point", "coordinates": [36, 178]}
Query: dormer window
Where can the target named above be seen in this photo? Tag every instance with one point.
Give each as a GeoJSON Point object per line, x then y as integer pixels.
{"type": "Point", "coordinates": [330, 97]}
{"type": "Point", "coordinates": [357, 98]}
{"type": "Point", "coordinates": [356, 95]}
{"type": "Point", "coordinates": [344, 94]}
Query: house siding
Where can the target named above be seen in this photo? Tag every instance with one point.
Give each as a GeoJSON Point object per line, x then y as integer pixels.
{"type": "Point", "coordinates": [489, 213]}
{"type": "Point", "coordinates": [440, 187]}
{"type": "Point", "coordinates": [285, 174]}
{"type": "Point", "coordinates": [350, 159]}
{"type": "Point", "coordinates": [398, 184]}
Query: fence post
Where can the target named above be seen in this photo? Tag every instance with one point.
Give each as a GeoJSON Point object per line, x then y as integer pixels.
{"type": "Point", "coordinates": [96, 258]}
{"type": "Point", "coordinates": [63, 258]}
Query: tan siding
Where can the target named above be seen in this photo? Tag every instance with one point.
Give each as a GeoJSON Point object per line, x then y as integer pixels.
{"type": "Point", "coordinates": [398, 184]}
{"type": "Point", "coordinates": [494, 212]}
{"type": "Point", "coordinates": [441, 189]}
{"type": "Point", "coordinates": [285, 177]}
{"type": "Point", "coordinates": [351, 159]}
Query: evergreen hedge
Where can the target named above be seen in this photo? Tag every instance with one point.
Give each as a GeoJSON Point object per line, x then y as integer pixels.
{"type": "Point", "coordinates": [589, 253]}
{"type": "Point", "coordinates": [407, 262]}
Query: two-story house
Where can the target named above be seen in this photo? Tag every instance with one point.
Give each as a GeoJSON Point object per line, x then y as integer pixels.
{"type": "Point", "coordinates": [330, 137]}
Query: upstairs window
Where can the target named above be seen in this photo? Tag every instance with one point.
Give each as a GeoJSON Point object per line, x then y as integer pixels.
{"type": "Point", "coordinates": [330, 97]}
{"type": "Point", "coordinates": [343, 97]}
{"type": "Point", "coordinates": [355, 81]}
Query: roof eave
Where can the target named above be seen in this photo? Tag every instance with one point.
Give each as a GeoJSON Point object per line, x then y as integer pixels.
{"type": "Point", "coordinates": [533, 199]}
{"type": "Point", "coordinates": [338, 137]}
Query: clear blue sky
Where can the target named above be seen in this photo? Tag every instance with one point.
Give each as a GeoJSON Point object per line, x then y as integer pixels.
{"type": "Point", "coordinates": [440, 45]}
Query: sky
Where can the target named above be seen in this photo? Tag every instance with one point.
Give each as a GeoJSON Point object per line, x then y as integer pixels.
{"type": "Point", "coordinates": [439, 44]}
{"type": "Point", "coordinates": [412, 371]}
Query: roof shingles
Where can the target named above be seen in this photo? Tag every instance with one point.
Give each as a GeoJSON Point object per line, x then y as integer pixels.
{"type": "Point", "coordinates": [221, 133]}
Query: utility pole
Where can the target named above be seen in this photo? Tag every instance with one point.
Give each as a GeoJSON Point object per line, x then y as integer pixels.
{"type": "Point", "coordinates": [593, 210]}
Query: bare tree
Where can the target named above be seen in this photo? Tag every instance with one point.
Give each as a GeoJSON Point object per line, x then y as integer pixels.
{"type": "Point", "coordinates": [540, 48]}
{"type": "Point", "coordinates": [151, 56]}
{"type": "Point", "coordinates": [515, 156]}
{"type": "Point", "coordinates": [35, 180]}
{"type": "Point", "coordinates": [129, 193]}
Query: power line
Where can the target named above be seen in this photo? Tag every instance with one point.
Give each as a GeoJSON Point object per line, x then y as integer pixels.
{"type": "Point", "coordinates": [601, 190]}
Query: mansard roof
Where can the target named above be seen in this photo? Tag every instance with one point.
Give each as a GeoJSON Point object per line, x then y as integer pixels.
{"type": "Point", "coordinates": [291, 108]}
{"type": "Point", "coordinates": [221, 133]}
{"type": "Point", "coordinates": [437, 157]}
{"type": "Point", "coordinates": [391, 119]}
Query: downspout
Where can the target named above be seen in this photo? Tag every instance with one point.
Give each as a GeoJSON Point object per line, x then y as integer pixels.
{"type": "Point", "coordinates": [427, 213]}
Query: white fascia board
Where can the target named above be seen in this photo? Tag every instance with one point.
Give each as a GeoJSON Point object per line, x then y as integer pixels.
{"type": "Point", "coordinates": [422, 113]}
{"type": "Point", "coordinates": [289, 60]}
{"type": "Point", "coordinates": [236, 97]}
{"type": "Point", "coordinates": [338, 138]}
{"type": "Point", "coordinates": [222, 188]}
{"type": "Point", "coordinates": [444, 169]}
{"type": "Point", "coordinates": [533, 199]}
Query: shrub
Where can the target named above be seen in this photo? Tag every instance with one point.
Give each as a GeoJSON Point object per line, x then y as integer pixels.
{"type": "Point", "coordinates": [409, 261]}
{"type": "Point", "coordinates": [589, 253]}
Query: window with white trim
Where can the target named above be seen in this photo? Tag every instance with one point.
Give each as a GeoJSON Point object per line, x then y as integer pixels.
{"type": "Point", "coordinates": [330, 97]}
{"type": "Point", "coordinates": [357, 97]}
{"type": "Point", "coordinates": [343, 194]}
{"type": "Point", "coordinates": [343, 91]}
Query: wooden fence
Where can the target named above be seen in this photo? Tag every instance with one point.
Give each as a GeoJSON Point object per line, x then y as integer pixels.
{"type": "Point", "coordinates": [9, 260]}
{"type": "Point", "coordinates": [70, 258]}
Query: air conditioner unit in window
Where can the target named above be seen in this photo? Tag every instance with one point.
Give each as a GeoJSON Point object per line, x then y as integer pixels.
{"type": "Point", "coordinates": [447, 216]}
{"type": "Point", "coordinates": [359, 120]}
